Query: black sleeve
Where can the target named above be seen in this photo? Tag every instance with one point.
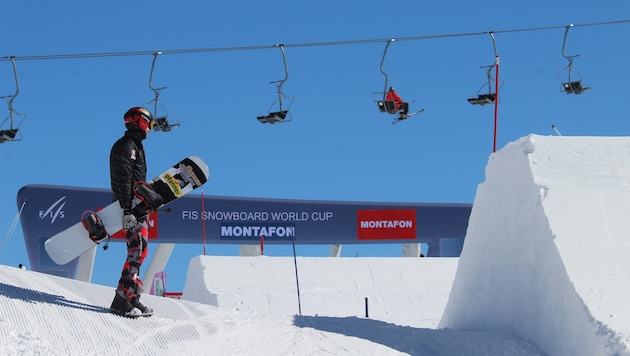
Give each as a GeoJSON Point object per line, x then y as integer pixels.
{"type": "Point", "coordinates": [121, 173]}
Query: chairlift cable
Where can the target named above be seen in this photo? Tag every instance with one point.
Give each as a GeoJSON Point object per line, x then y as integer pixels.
{"type": "Point", "coordinates": [311, 44]}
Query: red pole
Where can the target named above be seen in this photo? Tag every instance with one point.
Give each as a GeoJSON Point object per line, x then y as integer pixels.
{"type": "Point", "coordinates": [203, 222]}
{"type": "Point", "coordinates": [496, 104]}
{"type": "Point", "coordinates": [262, 245]}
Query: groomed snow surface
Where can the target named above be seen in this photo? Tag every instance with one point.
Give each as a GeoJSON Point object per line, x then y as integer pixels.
{"type": "Point", "coordinates": [544, 270]}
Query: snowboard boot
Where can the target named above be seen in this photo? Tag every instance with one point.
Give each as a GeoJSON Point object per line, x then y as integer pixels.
{"type": "Point", "coordinates": [123, 307]}
{"type": "Point", "coordinates": [94, 226]}
{"type": "Point", "coordinates": [149, 197]}
{"type": "Point", "coordinates": [146, 311]}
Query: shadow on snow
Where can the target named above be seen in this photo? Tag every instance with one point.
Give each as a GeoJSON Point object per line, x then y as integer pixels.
{"type": "Point", "coordinates": [421, 341]}
{"type": "Point", "coordinates": [33, 296]}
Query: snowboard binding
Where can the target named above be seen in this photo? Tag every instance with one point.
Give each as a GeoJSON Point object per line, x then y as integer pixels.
{"type": "Point", "coordinates": [94, 226]}
{"type": "Point", "coordinates": [148, 196]}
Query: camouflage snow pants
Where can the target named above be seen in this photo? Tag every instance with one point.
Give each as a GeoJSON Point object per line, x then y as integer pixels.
{"type": "Point", "coordinates": [130, 285]}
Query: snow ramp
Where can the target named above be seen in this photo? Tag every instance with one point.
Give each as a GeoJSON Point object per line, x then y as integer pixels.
{"type": "Point", "coordinates": [42, 314]}
{"type": "Point", "coordinates": [547, 251]}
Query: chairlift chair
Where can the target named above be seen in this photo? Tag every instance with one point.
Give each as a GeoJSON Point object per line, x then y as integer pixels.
{"type": "Point", "coordinates": [489, 97]}
{"type": "Point", "coordinates": [570, 86]}
{"type": "Point", "coordinates": [274, 117]}
{"type": "Point", "coordinates": [8, 135]}
{"type": "Point", "coordinates": [13, 132]}
{"type": "Point", "coordinates": [389, 106]}
{"type": "Point", "coordinates": [282, 114]}
{"type": "Point", "coordinates": [574, 87]}
{"type": "Point", "coordinates": [483, 99]}
{"type": "Point", "coordinates": [161, 123]}
{"type": "Point", "coordinates": [386, 106]}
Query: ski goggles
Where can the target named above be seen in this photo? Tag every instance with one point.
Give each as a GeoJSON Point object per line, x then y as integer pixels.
{"type": "Point", "coordinates": [150, 121]}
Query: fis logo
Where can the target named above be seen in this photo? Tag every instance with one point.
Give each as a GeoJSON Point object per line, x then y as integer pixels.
{"type": "Point", "coordinates": [54, 211]}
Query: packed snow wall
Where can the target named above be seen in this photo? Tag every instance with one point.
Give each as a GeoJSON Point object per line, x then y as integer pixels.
{"type": "Point", "coordinates": [385, 288]}
{"type": "Point", "coordinates": [547, 247]}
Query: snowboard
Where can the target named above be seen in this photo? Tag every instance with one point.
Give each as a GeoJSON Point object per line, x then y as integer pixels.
{"type": "Point", "coordinates": [179, 180]}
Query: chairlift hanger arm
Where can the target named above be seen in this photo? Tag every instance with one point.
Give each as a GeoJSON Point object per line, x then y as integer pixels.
{"type": "Point", "coordinates": [496, 53]}
{"type": "Point", "coordinates": [161, 121]}
{"type": "Point", "coordinates": [564, 44]}
{"type": "Point", "coordinates": [155, 55]}
{"type": "Point", "coordinates": [569, 58]}
{"type": "Point", "coordinates": [17, 88]}
{"type": "Point", "coordinates": [494, 45]}
{"type": "Point", "coordinates": [286, 68]}
{"type": "Point", "coordinates": [157, 91]}
{"type": "Point", "coordinates": [381, 67]}
{"type": "Point", "coordinates": [286, 75]}
{"type": "Point", "coordinates": [572, 85]}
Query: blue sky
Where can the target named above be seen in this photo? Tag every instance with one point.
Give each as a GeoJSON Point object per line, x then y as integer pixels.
{"type": "Point", "coordinates": [338, 146]}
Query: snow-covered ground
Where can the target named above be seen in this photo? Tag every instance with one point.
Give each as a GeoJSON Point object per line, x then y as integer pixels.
{"type": "Point", "coordinates": [543, 271]}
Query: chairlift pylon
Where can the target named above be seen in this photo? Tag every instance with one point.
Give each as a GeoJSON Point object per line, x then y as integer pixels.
{"type": "Point", "coordinates": [282, 114]}
{"type": "Point", "coordinates": [161, 122]}
{"type": "Point", "coordinates": [571, 85]}
{"type": "Point", "coordinates": [13, 132]}
{"type": "Point", "coordinates": [491, 96]}
{"type": "Point", "coordinates": [385, 105]}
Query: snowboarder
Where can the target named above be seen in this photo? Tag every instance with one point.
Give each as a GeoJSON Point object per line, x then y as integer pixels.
{"type": "Point", "coordinates": [128, 166]}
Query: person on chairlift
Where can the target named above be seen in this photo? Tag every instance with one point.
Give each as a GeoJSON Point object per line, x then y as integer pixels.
{"type": "Point", "coordinates": [401, 106]}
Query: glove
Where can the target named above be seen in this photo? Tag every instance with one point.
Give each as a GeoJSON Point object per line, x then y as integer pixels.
{"type": "Point", "coordinates": [129, 221]}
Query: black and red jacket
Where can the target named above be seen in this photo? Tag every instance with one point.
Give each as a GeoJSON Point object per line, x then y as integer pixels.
{"type": "Point", "coordinates": [127, 165]}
